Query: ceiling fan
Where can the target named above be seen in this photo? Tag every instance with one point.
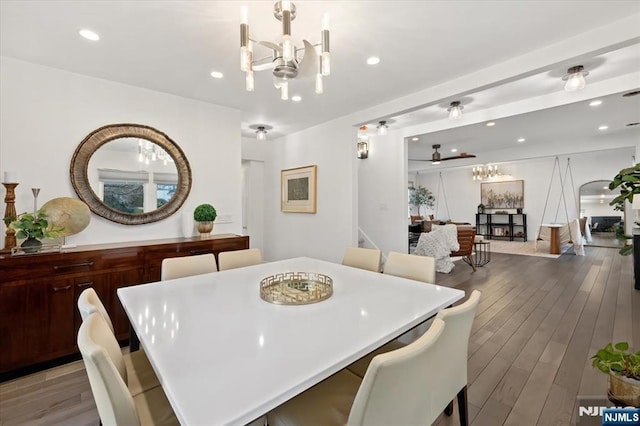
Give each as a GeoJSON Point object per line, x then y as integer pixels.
{"type": "Point", "coordinates": [436, 158]}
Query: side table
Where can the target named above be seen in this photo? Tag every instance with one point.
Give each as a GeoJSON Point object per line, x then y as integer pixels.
{"type": "Point", "coordinates": [482, 249]}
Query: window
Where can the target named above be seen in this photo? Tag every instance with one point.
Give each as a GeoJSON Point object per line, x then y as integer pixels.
{"type": "Point", "coordinates": [124, 196]}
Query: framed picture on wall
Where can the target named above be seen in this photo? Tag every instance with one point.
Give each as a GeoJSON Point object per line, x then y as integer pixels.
{"type": "Point", "coordinates": [502, 195]}
{"type": "Point", "coordinates": [298, 192]}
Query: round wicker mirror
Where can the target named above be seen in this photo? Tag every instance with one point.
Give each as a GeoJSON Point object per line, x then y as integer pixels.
{"type": "Point", "coordinates": [130, 174]}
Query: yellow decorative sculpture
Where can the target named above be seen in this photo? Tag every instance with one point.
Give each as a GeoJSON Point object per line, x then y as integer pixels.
{"type": "Point", "coordinates": [71, 214]}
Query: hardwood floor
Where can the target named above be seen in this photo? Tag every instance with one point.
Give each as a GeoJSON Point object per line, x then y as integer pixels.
{"type": "Point", "coordinates": [538, 322]}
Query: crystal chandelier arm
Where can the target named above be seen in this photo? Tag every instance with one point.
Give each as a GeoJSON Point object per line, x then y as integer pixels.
{"type": "Point", "coordinates": [288, 48]}
{"type": "Point", "coordinates": [245, 47]}
{"type": "Point", "coordinates": [324, 37]}
{"type": "Point", "coordinates": [268, 44]}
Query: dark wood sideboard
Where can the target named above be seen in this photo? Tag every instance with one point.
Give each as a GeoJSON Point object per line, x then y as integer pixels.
{"type": "Point", "coordinates": [39, 319]}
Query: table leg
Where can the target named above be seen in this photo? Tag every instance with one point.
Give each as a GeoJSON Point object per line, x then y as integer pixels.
{"type": "Point", "coordinates": [134, 342]}
{"type": "Point", "coordinates": [555, 240]}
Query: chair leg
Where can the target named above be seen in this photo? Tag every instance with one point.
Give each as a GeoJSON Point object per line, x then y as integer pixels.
{"type": "Point", "coordinates": [472, 263]}
{"type": "Point", "coordinates": [463, 408]}
{"type": "Point", "coordinates": [448, 410]}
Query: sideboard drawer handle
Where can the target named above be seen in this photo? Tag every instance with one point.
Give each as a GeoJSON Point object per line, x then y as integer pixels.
{"type": "Point", "coordinates": [84, 285]}
{"type": "Point", "coordinates": [65, 288]}
{"type": "Point", "coordinates": [73, 265]}
{"type": "Point", "coordinates": [194, 252]}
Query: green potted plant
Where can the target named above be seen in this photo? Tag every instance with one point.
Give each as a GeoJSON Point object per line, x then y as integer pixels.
{"type": "Point", "coordinates": [420, 196]}
{"type": "Point", "coordinates": [204, 215]}
{"type": "Point", "coordinates": [628, 180]}
{"type": "Point", "coordinates": [32, 228]}
{"type": "Point", "coordinates": [622, 366]}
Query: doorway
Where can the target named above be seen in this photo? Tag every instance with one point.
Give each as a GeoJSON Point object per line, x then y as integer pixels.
{"type": "Point", "coordinates": [604, 222]}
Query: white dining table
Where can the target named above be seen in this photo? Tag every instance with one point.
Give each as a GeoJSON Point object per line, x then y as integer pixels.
{"type": "Point", "coordinates": [225, 356]}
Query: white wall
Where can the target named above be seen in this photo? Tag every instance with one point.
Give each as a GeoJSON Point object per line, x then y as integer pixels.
{"type": "Point", "coordinates": [324, 235]}
{"type": "Point", "coordinates": [46, 113]}
{"type": "Point", "coordinates": [463, 194]}
{"type": "Point", "coordinates": [382, 193]}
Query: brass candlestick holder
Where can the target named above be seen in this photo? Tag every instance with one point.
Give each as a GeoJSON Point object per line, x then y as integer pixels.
{"type": "Point", "coordinates": [9, 212]}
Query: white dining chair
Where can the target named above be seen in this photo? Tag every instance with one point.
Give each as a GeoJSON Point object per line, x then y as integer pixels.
{"type": "Point", "coordinates": [140, 376]}
{"type": "Point", "coordinates": [362, 258]}
{"type": "Point", "coordinates": [239, 258]}
{"type": "Point", "coordinates": [115, 403]}
{"type": "Point", "coordinates": [398, 389]}
{"type": "Point", "coordinates": [186, 266]}
{"type": "Point", "coordinates": [418, 268]}
{"type": "Point", "coordinates": [408, 386]}
{"type": "Point", "coordinates": [89, 302]}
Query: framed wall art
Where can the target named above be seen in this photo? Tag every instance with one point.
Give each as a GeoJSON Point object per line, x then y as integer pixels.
{"type": "Point", "coordinates": [298, 192]}
{"type": "Point", "coordinates": [503, 195]}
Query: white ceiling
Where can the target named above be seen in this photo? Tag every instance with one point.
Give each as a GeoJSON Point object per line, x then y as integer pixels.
{"type": "Point", "coordinates": [567, 123]}
{"type": "Point", "coordinates": [172, 46]}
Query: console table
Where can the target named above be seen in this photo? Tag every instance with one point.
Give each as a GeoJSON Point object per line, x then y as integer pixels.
{"type": "Point", "coordinates": [39, 319]}
{"type": "Point", "coordinates": [496, 226]}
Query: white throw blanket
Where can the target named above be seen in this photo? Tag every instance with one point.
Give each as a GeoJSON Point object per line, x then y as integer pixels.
{"type": "Point", "coordinates": [439, 244]}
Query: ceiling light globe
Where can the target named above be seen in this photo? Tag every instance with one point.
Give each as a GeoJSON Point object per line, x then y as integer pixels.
{"type": "Point", "coordinates": [374, 60]}
{"type": "Point", "coordinates": [576, 81]}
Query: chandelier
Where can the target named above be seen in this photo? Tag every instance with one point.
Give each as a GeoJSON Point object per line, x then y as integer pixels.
{"type": "Point", "coordinates": [286, 60]}
{"type": "Point", "coordinates": [149, 151]}
{"type": "Point", "coordinates": [485, 172]}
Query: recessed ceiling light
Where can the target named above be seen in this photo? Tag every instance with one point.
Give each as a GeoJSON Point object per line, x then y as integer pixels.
{"type": "Point", "coordinates": [454, 149]}
{"type": "Point", "coordinates": [374, 60]}
{"type": "Point", "coordinates": [603, 127]}
{"type": "Point", "coordinates": [415, 139]}
{"type": "Point", "coordinates": [216, 74]}
{"type": "Point", "coordinates": [521, 139]}
{"type": "Point", "coordinates": [595, 103]}
{"type": "Point", "coordinates": [296, 98]}
{"type": "Point", "coordinates": [605, 187]}
{"type": "Point", "coordinates": [89, 35]}
{"type": "Point", "coordinates": [491, 123]}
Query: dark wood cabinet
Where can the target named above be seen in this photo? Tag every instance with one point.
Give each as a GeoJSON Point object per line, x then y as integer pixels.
{"type": "Point", "coordinates": [39, 319]}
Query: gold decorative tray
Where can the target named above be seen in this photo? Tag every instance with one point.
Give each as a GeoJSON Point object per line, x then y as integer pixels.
{"type": "Point", "coordinates": [296, 288]}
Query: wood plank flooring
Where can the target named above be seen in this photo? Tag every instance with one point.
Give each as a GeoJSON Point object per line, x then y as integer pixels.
{"type": "Point", "coordinates": [538, 323]}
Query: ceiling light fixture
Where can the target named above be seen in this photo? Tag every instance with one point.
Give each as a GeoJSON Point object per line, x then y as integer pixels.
{"type": "Point", "coordinates": [485, 172]}
{"type": "Point", "coordinates": [415, 139]}
{"type": "Point", "coordinates": [382, 128]}
{"type": "Point", "coordinates": [216, 74]}
{"type": "Point", "coordinates": [454, 149]}
{"type": "Point", "coordinates": [286, 61]}
{"type": "Point", "coordinates": [575, 78]}
{"type": "Point", "coordinates": [603, 127]}
{"type": "Point", "coordinates": [89, 35]}
{"type": "Point", "coordinates": [455, 110]}
{"type": "Point", "coordinates": [595, 103]}
{"type": "Point", "coordinates": [491, 123]}
{"type": "Point", "coordinates": [149, 151]}
{"type": "Point", "coordinates": [296, 98]}
{"type": "Point", "coordinates": [521, 139]}
{"type": "Point", "coordinates": [261, 131]}
{"type": "Point", "coordinates": [374, 60]}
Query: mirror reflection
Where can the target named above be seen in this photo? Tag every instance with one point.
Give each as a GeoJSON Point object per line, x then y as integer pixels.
{"type": "Point", "coordinates": [603, 221]}
{"type": "Point", "coordinates": [133, 175]}
{"type": "Point", "coordinates": [130, 173]}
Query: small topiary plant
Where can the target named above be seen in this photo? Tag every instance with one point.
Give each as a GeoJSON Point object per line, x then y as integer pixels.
{"type": "Point", "coordinates": [205, 213]}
